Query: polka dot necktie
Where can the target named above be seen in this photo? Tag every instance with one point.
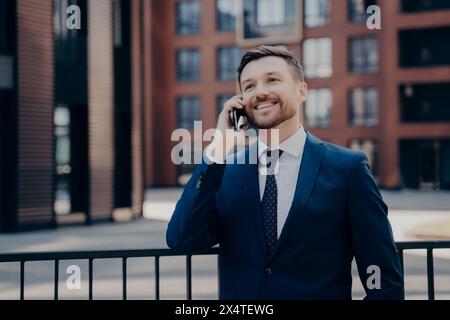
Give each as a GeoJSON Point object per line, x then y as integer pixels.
{"type": "Point", "coordinates": [269, 201]}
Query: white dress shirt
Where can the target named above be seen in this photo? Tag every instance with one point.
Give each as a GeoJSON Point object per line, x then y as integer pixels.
{"type": "Point", "coordinates": [287, 173]}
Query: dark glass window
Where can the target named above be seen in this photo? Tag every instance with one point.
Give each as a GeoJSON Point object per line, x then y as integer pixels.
{"type": "Point", "coordinates": [364, 55]}
{"type": "Point", "coordinates": [424, 47]}
{"type": "Point", "coordinates": [226, 14]}
{"type": "Point", "coordinates": [188, 65]}
{"type": "Point", "coordinates": [188, 17]}
{"type": "Point", "coordinates": [357, 9]}
{"type": "Point", "coordinates": [363, 106]}
{"type": "Point", "coordinates": [317, 13]}
{"type": "Point", "coordinates": [424, 5]}
{"type": "Point", "coordinates": [7, 44]}
{"type": "Point", "coordinates": [7, 26]}
{"type": "Point", "coordinates": [228, 62]}
{"type": "Point", "coordinates": [425, 102]}
{"type": "Point", "coordinates": [188, 111]}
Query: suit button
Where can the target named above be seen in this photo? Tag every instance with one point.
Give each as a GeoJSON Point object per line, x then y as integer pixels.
{"type": "Point", "coordinates": [268, 271]}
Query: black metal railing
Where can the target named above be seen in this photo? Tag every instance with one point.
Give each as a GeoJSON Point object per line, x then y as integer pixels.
{"type": "Point", "coordinates": [56, 257]}
{"type": "Point", "coordinates": [429, 246]}
{"type": "Point", "coordinates": [110, 254]}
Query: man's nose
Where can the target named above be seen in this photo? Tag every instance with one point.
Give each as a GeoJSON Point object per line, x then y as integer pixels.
{"type": "Point", "coordinates": [261, 91]}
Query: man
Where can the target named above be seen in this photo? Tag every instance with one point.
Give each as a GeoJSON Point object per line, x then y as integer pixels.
{"type": "Point", "coordinates": [293, 232]}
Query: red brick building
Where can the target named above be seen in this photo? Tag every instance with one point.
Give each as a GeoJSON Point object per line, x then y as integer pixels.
{"type": "Point", "coordinates": [384, 91]}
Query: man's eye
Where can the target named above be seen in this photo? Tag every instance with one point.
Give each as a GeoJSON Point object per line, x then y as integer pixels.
{"type": "Point", "coordinates": [248, 87]}
{"type": "Point", "coordinates": [273, 80]}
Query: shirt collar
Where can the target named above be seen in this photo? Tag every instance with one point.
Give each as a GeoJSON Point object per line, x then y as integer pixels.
{"type": "Point", "coordinates": [293, 145]}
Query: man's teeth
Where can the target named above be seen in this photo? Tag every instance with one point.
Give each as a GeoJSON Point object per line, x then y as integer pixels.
{"type": "Point", "coordinates": [265, 105]}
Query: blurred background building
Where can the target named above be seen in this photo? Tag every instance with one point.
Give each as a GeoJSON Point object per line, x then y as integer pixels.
{"type": "Point", "coordinates": [71, 124]}
{"type": "Point", "coordinates": [385, 91]}
{"type": "Point", "coordinates": [86, 116]}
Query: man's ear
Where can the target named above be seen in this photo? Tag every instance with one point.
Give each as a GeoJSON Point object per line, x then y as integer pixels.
{"type": "Point", "coordinates": [303, 91]}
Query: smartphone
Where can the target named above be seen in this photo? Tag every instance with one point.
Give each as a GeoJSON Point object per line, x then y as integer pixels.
{"type": "Point", "coordinates": [238, 118]}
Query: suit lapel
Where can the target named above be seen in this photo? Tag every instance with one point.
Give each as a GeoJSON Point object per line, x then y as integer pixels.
{"type": "Point", "coordinates": [311, 159]}
{"type": "Point", "coordinates": [250, 180]}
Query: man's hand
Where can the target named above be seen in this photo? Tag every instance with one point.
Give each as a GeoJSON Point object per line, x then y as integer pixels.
{"type": "Point", "coordinates": [226, 139]}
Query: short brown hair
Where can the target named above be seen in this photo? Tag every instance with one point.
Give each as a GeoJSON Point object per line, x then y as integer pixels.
{"type": "Point", "coordinates": [266, 51]}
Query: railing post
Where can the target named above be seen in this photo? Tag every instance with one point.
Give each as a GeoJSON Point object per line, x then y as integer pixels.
{"type": "Point", "coordinates": [218, 276]}
{"type": "Point", "coordinates": [189, 277]}
{"type": "Point", "coordinates": [56, 280]}
{"type": "Point", "coordinates": [22, 279]}
{"type": "Point", "coordinates": [430, 274]}
{"type": "Point", "coordinates": [157, 277]}
{"type": "Point", "coordinates": [90, 277]}
{"type": "Point", "coordinates": [124, 278]}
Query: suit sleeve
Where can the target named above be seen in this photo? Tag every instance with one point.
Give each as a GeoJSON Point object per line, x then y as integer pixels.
{"type": "Point", "coordinates": [193, 225]}
{"type": "Point", "coordinates": [372, 239]}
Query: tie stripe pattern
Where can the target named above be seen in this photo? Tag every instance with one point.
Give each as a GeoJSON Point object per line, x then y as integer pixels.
{"type": "Point", "coordinates": [269, 201]}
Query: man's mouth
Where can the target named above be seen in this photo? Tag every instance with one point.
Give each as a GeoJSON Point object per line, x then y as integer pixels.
{"type": "Point", "coordinates": [265, 105]}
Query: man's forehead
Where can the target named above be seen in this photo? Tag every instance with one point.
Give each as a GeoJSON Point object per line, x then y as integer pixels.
{"type": "Point", "coordinates": [264, 66]}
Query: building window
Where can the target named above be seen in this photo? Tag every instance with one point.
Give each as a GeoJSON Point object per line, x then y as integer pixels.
{"type": "Point", "coordinates": [425, 102]}
{"type": "Point", "coordinates": [188, 17]}
{"type": "Point", "coordinates": [226, 14]}
{"type": "Point", "coordinates": [370, 148]}
{"type": "Point", "coordinates": [363, 106]}
{"type": "Point", "coordinates": [188, 111]}
{"type": "Point", "coordinates": [62, 203]}
{"type": "Point", "coordinates": [188, 65]}
{"type": "Point", "coordinates": [364, 55]}
{"type": "Point", "coordinates": [270, 12]}
{"type": "Point", "coordinates": [357, 9]}
{"type": "Point", "coordinates": [317, 13]}
{"type": "Point", "coordinates": [220, 101]}
{"type": "Point", "coordinates": [424, 5]}
{"type": "Point", "coordinates": [317, 58]}
{"type": "Point", "coordinates": [273, 19]}
{"type": "Point", "coordinates": [318, 108]}
{"type": "Point", "coordinates": [7, 44]}
{"type": "Point", "coordinates": [424, 47]}
{"type": "Point", "coordinates": [228, 61]}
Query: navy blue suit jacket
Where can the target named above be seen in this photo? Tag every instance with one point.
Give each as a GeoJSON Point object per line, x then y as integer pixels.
{"type": "Point", "coordinates": [337, 214]}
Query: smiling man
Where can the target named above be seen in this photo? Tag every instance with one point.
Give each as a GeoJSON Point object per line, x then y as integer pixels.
{"type": "Point", "coordinates": [290, 233]}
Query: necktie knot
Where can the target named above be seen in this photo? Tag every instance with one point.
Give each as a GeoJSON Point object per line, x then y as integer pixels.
{"type": "Point", "coordinates": [272, 157]}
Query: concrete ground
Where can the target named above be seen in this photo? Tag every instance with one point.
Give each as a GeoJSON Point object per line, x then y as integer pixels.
{"type": "Point", "coordinates": [149, 232]}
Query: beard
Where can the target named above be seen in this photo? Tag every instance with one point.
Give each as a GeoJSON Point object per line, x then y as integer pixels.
{"type": "Point", "coordinates": [275, 113]}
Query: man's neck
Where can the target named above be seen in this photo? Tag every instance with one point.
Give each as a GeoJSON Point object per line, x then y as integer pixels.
{"type": "Point", "coordinates": [275, 136]}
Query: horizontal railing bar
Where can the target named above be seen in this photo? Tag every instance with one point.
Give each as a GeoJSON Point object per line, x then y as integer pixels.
{"type": "Point", "coordinates": [108, 254]}
{"type": "Point", "coordinates": [408, 245]}
{"type": "Point", "coordinates": [141, 253]}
